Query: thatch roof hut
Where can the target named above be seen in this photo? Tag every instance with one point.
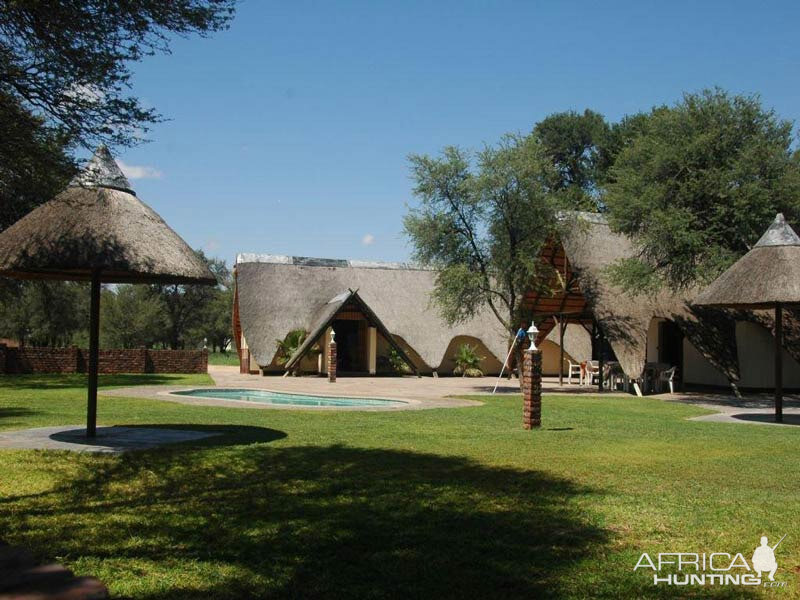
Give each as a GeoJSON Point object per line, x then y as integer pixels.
{"type": "Point", "coordinates": [588, 249]}
{"type": "Point", "coordinates": [98, 230]}
{"type": "Point", "coordinates": [767, 277]}
{"type": "Point", "coordinates": [98, 223]}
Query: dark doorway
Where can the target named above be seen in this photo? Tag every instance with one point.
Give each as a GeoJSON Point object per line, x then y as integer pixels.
{"type": "Point", "coordinates": [601, 347]}
{"type": "Point", "coordinates": [350, 348]}
{"type": "Point", "coordinates": [670, 345]}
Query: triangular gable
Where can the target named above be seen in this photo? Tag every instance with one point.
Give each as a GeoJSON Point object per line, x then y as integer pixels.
{"type": "Point", "coordinates": [327, 314]}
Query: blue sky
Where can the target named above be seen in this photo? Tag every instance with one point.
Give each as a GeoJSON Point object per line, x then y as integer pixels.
{"type": "Point", "coordinates": [289, 133]}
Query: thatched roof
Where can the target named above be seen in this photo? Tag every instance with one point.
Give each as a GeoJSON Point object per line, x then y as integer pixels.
{"type": "Point", "coordinates": [102, 171]}
{"type": "Point", "coordinates": [767, 275]}
{"type": "Point", "coordinates": [98, 223]}
{"type": "Point", "coordinates": [278, 294]}
{"type": "Point", "coordinates": [327, 313]}
{"type": "Point", "coordinates": [592, 248]}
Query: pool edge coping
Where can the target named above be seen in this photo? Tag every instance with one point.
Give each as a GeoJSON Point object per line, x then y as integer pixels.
{"type": "Point", "coordinates": [407, 403]}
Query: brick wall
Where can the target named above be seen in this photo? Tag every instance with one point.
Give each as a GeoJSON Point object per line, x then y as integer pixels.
{"type": "Point", "coordinates": [177, 361]}
{"type": "Point", "coordinates": [76, 360]}
{"type": "Point", "coordinates": [121, 361]}
{"type": "Point", "coordinates": [42, 360]}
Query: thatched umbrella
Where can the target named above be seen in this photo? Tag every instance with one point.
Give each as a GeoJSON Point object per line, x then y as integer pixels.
{"type": "Point", "coordinates": [98, 230]}
{"type": "Point", "coordinates": [767, 277]}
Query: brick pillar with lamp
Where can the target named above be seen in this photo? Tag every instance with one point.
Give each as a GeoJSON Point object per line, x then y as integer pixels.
{"type": "Point", "coordinates": [532, 383]}
{"type": "Point", "coordinates": [332, 358]}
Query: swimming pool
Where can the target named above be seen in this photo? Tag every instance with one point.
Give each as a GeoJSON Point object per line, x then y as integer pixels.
{"type": "Point", "coordinates": [285, 399]}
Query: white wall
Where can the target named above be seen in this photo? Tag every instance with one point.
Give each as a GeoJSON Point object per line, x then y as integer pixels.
{"type": "Point", "coordinates": [756, 350]}
{"type": "Point", "coordinates": [697, 369]}
{"type": "Point", "coordinates": [652, 339]}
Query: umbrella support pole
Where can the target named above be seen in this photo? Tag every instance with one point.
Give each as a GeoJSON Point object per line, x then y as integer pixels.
{"type": "Point", "coordinates": [778, 363]}
{"type": "Point", "coordinates": [94, 352]}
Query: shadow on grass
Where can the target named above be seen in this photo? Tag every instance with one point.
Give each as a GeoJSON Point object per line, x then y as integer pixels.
{"type": "Point", "coordinates": [327, 521]}
{"type": "Point", "coordinates": [231, 435]}
{"type": "Point", "coordinates": [148, 436]}
{"type": "Point", "coordinates": [512, 389]}
{"type": "Point", "coordinates": [788, 419]}
{"type": "Point", "coordinates": [54, 381]}
{"type": "Point", "coordinates": [7, 413]}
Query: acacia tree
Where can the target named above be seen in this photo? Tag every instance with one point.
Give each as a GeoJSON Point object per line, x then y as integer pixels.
{"type": "Point", "coordinates": [65, 81]}
{"type": "Point", "coordinates": [698, 185]}
{"type": "Point", "coordinates": [34, 164]}
{"type": "Point", "coordinates": [579, 146]}
{"type": "Point", "coordinates": [69, 62]}
{"type": "Point", "coordinates": [482, 224]}
{"type": "Point", "coordinates": [216, 321]}
{"type": "Point", "coordinates": [132, 317]}
{"type": "Point", "coordinates": [187, 306]}
{"type": "Point", "coordinates": [43, 313]}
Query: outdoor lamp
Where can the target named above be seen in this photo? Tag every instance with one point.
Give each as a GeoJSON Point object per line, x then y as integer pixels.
{"type": "Point", "coordinates": [532, 331]}
{"type": "Point", "coordinates": [333, 334]}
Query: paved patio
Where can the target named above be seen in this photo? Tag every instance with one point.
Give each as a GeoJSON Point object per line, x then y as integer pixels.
{"type": "Point", "coordinates": [429, 392]}
{"type": "Point", "coordinates": [758, 409]}
{"type": "Point", "coordinates": [418, 392]}
{"type": "Point", "coordinates": [110, 440]}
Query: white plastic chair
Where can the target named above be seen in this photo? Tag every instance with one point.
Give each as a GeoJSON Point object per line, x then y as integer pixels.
{"type": "Point", "coordinates": [667, 376]}
{"type": "Point", "coordinates": [592, 371]}
{"type": "Point", "coordinates": [574, 369]}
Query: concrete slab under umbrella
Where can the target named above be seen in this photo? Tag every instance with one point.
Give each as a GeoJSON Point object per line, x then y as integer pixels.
{"type": "Point", "coordinates": [767, 277]}
{"type": "Point", "coordinates": [97, 230]}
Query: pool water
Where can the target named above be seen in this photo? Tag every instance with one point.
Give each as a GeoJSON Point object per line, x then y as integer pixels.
{"type": "Point", "coordinates": [281, 398]}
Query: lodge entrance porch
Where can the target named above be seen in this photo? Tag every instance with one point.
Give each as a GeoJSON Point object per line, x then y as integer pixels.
{"type": "Point", "coordinates": [358, 333]}
{"type": "Point", "coordinates": [352, 357]}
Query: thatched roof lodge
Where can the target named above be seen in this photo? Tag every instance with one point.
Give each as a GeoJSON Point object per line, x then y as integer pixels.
{"type": "Point", "coordinates": [384, 309]}
{"type": "Point", "coordinates": [709, 346]}
{"type": "Point", "coordinates": [373, 307]}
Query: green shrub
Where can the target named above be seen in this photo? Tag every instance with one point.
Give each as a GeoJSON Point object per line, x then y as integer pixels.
{"type": "Point", "coordinates": [396, 362]}
{"type": "Point", "coordinates": [289, 345]}
{"type": "Point", "coordinates": [468, 362]}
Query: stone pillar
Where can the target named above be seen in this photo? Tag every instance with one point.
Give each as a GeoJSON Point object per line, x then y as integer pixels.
{"type": "Point", "coordinates": [532, 389]}
{"type": "Point", "coordinates": [332, 362]}
{"type": "Point", "coordinates": [325, 339]}
{"type": "Point", "coordinates": [372, 350]}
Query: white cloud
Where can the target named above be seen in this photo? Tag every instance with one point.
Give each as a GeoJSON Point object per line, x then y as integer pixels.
{"type": "Point", "coordinates": [139, 171]}
{"type": "Point", "coordinates": [368, 239]}
{"type": "Point", "coordinates": [86, 93]}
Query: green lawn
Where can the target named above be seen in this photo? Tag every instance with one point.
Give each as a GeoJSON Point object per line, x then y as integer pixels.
{"type": "Point", "coordinates": [459, 503]}
{"type": "Point", "coordinates": [223, 358]}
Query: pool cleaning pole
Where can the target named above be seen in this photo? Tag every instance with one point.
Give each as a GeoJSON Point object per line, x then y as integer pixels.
{"type": "Point", "coordinates": [513, 345]}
